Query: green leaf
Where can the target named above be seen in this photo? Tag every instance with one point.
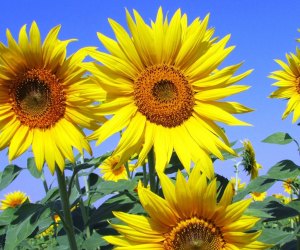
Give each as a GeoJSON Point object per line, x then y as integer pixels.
{"type": "Point", "coordinates": [64, 243]}
{"type": "Point", "coordinates": [275, 236]}
{"type": "Point", "coordinates": [94, 242]}
{"type": "Point", "coordinates": [7, 216]}
{"type": "Point", "coordinates": [33, 169]}
{"type": "Point", "coordinates": [295, 204]}
{"type": "Point", "coordinates": [52, 194]}
{"type": "Point", "coordinates": [257, 213]}
{"type": "Point", "coordinates": [259, 184]}
{"type": "Point", "coordinates": [29, 216]}
{"type": "Point", "coordinates": [283, 170]}
{"type": "Point", "coordinates": [279, 138]}
{"type": "Point", "coordinates": [9, 173]}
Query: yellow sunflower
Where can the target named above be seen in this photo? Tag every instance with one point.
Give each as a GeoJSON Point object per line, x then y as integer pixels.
{"type": "Point", "coordinates": [162, 85]}
{"type": "Point", "coordinates": [13, 199]}
{"type": "Point", "coordinates": [249, 161]}
{"type": "Point", "coordinates": [112, 172]}
{"type": "Point", "coordinates": [257, 196]}
{"type": "Point", "coordinates": [288, 83]}
{"type": "Point", "coordinates": [43, 98]}
{"type": "Point", "coordinates": [287, 185]}
{"type": "Point", "coordinates": [282, 198]}
{"type": "Point", "coordinates": [189, 217]}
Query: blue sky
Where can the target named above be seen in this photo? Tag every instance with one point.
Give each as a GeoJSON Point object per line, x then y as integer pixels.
{"type": "Point", "coordinates": [261, 31]}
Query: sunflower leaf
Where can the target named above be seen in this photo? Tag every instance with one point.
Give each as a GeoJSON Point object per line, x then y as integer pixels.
{"type": "Point", "coordinates": [279, 138]}
{"type": "Point", "coordinates": [8, 175]}
{"type": "Point", "coordinates": [275, 236]}
{"type": "Point", "coordinates": [259, 184]}
{"type": "Point", "coordinates": [33, 169]}
{"type": "Point", "coordinates": [283, 170]}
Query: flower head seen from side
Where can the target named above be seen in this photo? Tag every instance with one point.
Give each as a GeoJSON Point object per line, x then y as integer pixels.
{"type": "Point", "coordinates": [249, 160]}
{"type": "Point", "coordinates": [43, 98]}
{"type": "Point", "coordinates": [287, 185]}
{"type": "Point", "coordinates": [164, 89]}
{"type": "Point", "coordinates": [257, 196]}
{"type": "Point", "coordinates": [288, 83]}
{"type": "Point", "coordinates": [188, 217]}
{"type": "Point", "coordinates": [13, 199]}
{"type": "Point", "coordinates": [111, 171]}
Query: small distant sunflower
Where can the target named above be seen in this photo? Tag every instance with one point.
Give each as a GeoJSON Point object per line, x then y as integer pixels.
{"type": "Point", "coordinates": [287, 185]}
{"type": "Point", "coordinates": [249, 161]}
{"type": "Point", "coordinates": [189, 217]}
{"type": "Point", "coordinates": [282, 198]}
{"type": "Point", "coordinates": [111, 171]}
{"type": "Point", "coordinates": [13, 199]}
{"type": "Point", "coordinates": [288, 83]}
{"type": "Point", "coordinates": [43, 98]}
{"type": "Point", "coordinates": [257, 196]}
{"type": "Point", "coordinates": [162, 84]}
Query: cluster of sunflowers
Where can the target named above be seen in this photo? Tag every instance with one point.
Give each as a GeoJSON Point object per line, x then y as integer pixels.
{"type": "Point", "coordinates": [162, 89]}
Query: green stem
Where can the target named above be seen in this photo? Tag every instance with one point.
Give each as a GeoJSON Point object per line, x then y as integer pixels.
{"type": "Point", "coordinates": [145, 180]}
{"type": "Point", "coordinates": [68, 226]}
{"type": "Point", "coordinates": [151, 166]}
{"type": "Point", "coordinates": [236, 186]}
{"type": "Point", "coordinates": [83, 209]}
{"type": "Point", "coordinates": [127, 169]}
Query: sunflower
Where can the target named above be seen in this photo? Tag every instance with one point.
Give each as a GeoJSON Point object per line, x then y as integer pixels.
{"type": "Point", "coordinates": [162, 84]}
{"type": "Point", "coordinates": [257, 196]}
{"type": "Point", "coordinates": [43, 98]}
{"type": "Point", "coordinates": [288, 83]}
{"type": "Point", "coordinates": [189, 217]}
{"type": "Point", "coordinates": [111, 172]}
{"type": "Point", "coordinates": [13, 199]}
{"type": "Point", "coordinates": [282, 198]}
{"type": "Point", "coordinates": [288, 185]}
{"type": "Point", "coordinates": [249, 161]}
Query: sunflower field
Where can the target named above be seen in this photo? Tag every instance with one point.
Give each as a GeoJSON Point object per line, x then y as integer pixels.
{"type": "Point", "coordinates": [166, 90]}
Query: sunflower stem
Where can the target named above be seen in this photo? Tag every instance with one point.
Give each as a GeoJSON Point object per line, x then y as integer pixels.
{"type": "Point", "coordinates": [82, 208]}
{"type": "Point", "coordinates": [145, 180]}
{"type": "Point", "coordinates": [151, 166]}
{"type": "Point", "coordinates": [68, 225]}
{"type": "Point", "coordinates": [236, 186]}
{"type": "Point", "coordinates": [127, 169]}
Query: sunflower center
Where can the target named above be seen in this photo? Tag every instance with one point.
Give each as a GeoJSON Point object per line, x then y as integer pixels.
{"type": "Point", "coordinates": [164, 91]}
{"type": "Point", "coordinates": [163, 94]}
{"type": "Point", "coordinates": [194, 234]}
{"type": "Point", "coordinates": [298, 84]}
{"type": "Point", "coordinates": [119, 170]}
{"type": "Point", "coordinates": [38, 98]}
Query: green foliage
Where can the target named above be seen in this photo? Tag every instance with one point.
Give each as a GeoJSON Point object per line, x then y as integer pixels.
{"type": "Point", "coordinates": [93, 203]}
{"type": "Point", "coordinates": [279, 138]}
{"type": "Point", "coordinates": [7, 176]}
{"type": "Point", "coordinates": [31, 166]}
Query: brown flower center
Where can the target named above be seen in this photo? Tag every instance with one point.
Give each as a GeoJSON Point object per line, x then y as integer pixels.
{"type": "Point", "coordinates": [38, 98]}
{"type": "Point", "coordinates": [297, 83]}
{"type": "Point", "coordinates": [119, 170]}
{"type": "Point", "coordinates": [163, 94]}
{"type": "Point", "coordinates": [194, 234]}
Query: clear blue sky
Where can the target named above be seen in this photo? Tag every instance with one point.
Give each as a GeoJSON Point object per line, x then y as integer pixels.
{"type": "Point", "coordinates": [261, 30]}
